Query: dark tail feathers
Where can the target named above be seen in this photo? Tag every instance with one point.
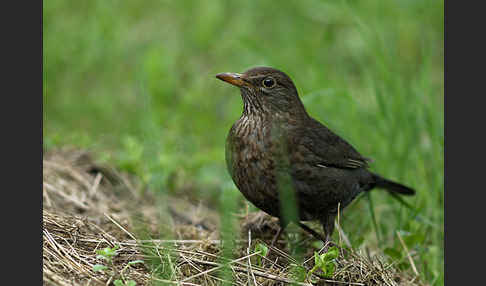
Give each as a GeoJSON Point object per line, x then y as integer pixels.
{"type": "Point", "coordinates": [393, 187]}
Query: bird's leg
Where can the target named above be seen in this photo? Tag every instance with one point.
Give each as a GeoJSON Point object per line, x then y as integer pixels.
{"type": "Point", "coordinates": [283, 224]}
{"type": "Point", "coordinates": [277, 236]}
{"type": "Point", "coordinates": [311, 231]}
{"type": "Point", "coordinates": [328, 227]}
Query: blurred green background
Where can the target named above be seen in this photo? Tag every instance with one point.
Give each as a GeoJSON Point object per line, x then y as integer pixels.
{"type": "Point", "coordinates": [134, 82]}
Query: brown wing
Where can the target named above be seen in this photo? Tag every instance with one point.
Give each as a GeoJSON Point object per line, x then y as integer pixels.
{"type": "Point", "coordinates": [328, 149]}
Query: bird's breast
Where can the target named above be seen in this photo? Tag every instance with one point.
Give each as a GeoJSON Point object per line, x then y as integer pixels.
{"type": "Point", "coordinates": [251, 162]}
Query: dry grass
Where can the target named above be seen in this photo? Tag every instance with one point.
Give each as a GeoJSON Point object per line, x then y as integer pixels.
{"type": "Point", "coordinates": [88, 207]}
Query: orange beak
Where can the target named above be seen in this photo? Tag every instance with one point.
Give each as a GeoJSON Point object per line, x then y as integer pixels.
{"type": "Point", "coordinates": [233, 78]}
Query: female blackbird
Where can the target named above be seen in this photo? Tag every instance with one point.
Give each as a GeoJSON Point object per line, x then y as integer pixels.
{"type": "Point", "coordinates": [276, 145]}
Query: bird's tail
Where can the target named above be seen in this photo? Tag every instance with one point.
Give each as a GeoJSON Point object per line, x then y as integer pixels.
{"type": "Point", "coordinates": [392, 187]}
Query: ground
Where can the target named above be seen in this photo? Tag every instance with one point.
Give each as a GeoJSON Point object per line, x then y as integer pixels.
{"type": "Point", "coordinates": [88, 207]}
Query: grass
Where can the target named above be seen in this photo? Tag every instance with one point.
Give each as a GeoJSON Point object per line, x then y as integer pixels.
{"type": "Point", "coordinates": [90, 236]}
{"type": "Point", "coordinates": [135, 82]}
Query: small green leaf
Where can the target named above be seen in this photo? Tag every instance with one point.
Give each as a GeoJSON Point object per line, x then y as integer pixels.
{"type": "Point", "coordinates": [263, 249]}
{"type": "Point", "coordinates": [329, 269]}
{"type": "Point", "coordinates": [111, 251]}
{"type": "Point", "coordinates": [325, 261]}
{"type": "Point", "coordinates": [99, 267]}
{"type": "Point", "coordinates": [298, 272]}
{"type": "Point", "coordinates": [332, 253]}
{"type": "Point", "coordinates": [135, 262]}
{"type": "Point", "coordinates": [130, 283]}
{"type": "Point", "coordinates": [101, 252]}
{"type": "Point", "coordinates": [118, 282]}
{"type": "Point", "coordinates": [317, 258]}
{"type": "Point", "coordinates": [107, 251]}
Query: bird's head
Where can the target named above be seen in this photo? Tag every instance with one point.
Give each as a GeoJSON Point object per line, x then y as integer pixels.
{"type": "Point", "coordinates": [265, 90]}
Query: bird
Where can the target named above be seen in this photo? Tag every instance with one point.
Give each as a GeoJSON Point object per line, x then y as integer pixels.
{"type": "Point", "coordinates": [276, 148]}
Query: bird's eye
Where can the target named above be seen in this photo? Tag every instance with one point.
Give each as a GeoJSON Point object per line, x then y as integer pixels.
{"type": "Point", "coordinates": [268, 82]}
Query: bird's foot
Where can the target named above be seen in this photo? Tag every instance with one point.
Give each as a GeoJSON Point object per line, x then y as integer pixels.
{"type": "Point", "coordinates": [277, 236]}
